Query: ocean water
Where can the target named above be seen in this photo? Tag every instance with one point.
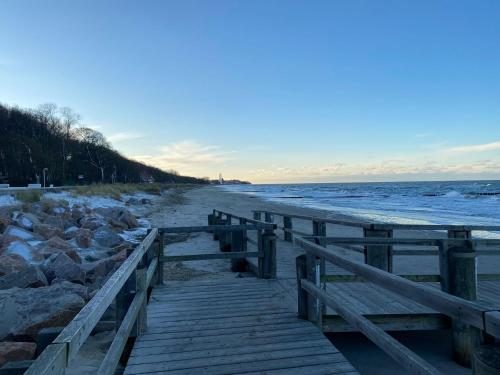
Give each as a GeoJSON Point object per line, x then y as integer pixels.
{"type": "Point", "coordinates": [453, 202]}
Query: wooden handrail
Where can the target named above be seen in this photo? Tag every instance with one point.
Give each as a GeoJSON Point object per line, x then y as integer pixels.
{"type": "Point", "coordinates": [468, 312]}
{"type": "Point", "coordinates": [384, 341]}
{"type": "Point", "coordinates": [57, 356]}
{"type": "Point", "coordinates": [231, 255]}
{"type": "Point", "coordinates": [216, 228]}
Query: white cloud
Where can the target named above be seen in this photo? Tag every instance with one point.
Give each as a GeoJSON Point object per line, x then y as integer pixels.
{"type": "Point", "coordinates": [383, 168]}
{"type": "Point", "coordinates": [474, 148]}
{"type": "Point", "coordinates": [188, 155]}
{"type": "Point", "coordinates": [124, 136]}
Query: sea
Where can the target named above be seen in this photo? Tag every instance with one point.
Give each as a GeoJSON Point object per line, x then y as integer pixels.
{"type": "Point", "coordinates": [444, 202]}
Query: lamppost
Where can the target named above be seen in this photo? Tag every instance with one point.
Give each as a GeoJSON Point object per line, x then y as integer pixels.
{"type": "Point", "coordinates": [44, 171]}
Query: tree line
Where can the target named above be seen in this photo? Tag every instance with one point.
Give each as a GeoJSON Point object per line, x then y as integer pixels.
{"type": "Point", "coordinates": [52, 142]}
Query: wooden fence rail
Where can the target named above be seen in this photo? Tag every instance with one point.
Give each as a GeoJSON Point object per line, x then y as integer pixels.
{"type": "Point", "coordinates": [455, 283]}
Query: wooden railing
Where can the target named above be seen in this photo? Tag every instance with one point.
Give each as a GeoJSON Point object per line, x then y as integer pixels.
{"type": "Point", "coordinates": [458, 270]}
{"type": "Point", "coordinates": [129, 284]}
{"type": "Point", "coordinates": [381, 255]}
{"type": "Point", "coordinates": [231, 241]}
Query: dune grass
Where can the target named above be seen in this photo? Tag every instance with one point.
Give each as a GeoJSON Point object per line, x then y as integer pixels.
{"type": "Point", "coordinates": [28, 196]}
{"type": "Point", "coordinates": [116, 190]}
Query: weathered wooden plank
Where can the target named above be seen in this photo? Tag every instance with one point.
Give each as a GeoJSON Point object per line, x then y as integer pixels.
{"type": "Point", "coordinates": [388, 344]}
{"type": "Point", "coordinates": [390, 322]}
{"type": "Point", "coordinates": [230, 363]}
{"type": "Point", "coordinates": [229, 338]}
{"type": "Point", "coordinates": [241, 341]}
{"type": "Point", "coordinates": [52, 361]}
{"type": "Point", "coordinates": [231, 255]}
{"type": "Point", "coordinates": [108, 365]}
{"type": "Point", "coordinates": [218, 228]}
{"type": "Point", "coordinates": [492, 323]}
{"type": "Point", "coordinates": [151, 272]}
{"type": "Point", "coordinates": [215, 352]}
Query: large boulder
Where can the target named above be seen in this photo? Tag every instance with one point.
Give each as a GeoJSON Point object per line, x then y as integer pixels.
{"type": "Point", "coordinates": [92, 221]}
{"type": "Point", "coordinates": [48, 231]}
{"type": "Point", "coordinates": [11, 351]}
{"type": "Point", "coordinates": [106, 237]}
{"type": "Point", "coordinates": [57, 245]}
{"type": "Point", "coordinates": [12, 263]}
{"type": "Point", "coordinates": [62, 267]}
{"type": "Point", "coordinates": [83, 238]}
{"type": "Point", "coordinates": [54, 221]}
{"type": "Point", "coordinates": [118, 217]}
{"type": "Point", "coordinates": [21, 233]}
{"type": "Point", "coordinates": [30, 277]}
{"type": "Point", "coordinates": [23, 249]}
{"type": "Point", "coordinates": [26, 311]}
{"type": "Point", "coordinates": [26, 220]}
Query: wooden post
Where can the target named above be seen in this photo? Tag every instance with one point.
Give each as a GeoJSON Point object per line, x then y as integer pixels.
{"type": "Point", "coordinates": [313, 275]}
{"type": "Point", "coordinates": [216, 221]}
{"type": "Point", "coordinates": [486, 360]}
{"type": "Point", "coordinates": [461, 280]}
{"type": "Point", "coordinates": [142, 318]}
{"type": "Point", "coordinates": [287, 225]}
{"type": "Point", "coordinates": [122, 303]}
{"type": "Point", "coordinates": [243, 221]}
{"type": "Point", "coordinates": [319, 230]}
{"type": "Point", "coordinates": [237, 245]}
{"type": "Point", "coordinates": [267, 264]}
{"type": "Point", "coordinates": [268, 218]}
{"type": "Point", "coordinates": [379, 256]}
{"type": "Point", "coordinates": [257, 215]}
{"type": "Point", "coordinates": [161, 250]}
{"type": "Point", "coordinates": [225, 236]}
{"type": "Point", "coordinates": [124, 297]}
{"type": "Point", "coordinates": [302, 296]}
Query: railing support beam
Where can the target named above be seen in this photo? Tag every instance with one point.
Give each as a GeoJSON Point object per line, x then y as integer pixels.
{"type": "Point", "coordinates": [378, 255]}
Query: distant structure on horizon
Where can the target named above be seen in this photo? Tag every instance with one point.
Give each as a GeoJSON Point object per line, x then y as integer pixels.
{"type": "Point", "coordinates": [221, 181]}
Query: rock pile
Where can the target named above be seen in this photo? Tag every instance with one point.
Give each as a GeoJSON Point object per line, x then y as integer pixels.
{"type": "Point", "coordinates": [52, 257]}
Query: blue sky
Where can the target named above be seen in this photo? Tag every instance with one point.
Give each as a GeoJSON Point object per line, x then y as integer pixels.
{"type": "Point", "coordinates": [271, 91]}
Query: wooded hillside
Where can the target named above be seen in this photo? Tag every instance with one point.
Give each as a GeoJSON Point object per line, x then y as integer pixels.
{"type": "Point", "coordinates": [52, 138]}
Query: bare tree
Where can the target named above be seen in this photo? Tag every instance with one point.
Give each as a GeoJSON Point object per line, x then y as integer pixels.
{"type": "Point", "coordinates": [95, 146]}
{"type": "Point", "coordinates": [69, 118]}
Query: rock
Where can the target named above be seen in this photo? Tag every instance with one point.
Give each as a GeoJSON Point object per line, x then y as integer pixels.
{"type": "Point", "coordinates": [129, 219]}
{"type": "Point", "coordinates": [12, 263]}
{"type": "Point", "coordinates": [26, 220]}
{"type": "Point", "coordinates": [48, 231]}
{"type": "Point", "coordinates": [30, 277]}
{"type": "Point", "coordinates": [26, 311]}
{"type": "Point", "coordinates": [54, 221]}
{"type": "Point", "coordinates": [146, 201]}
{"type": "Point", "coordinates": [71, 232]}
{"type": "Point", "coordinates": [21, 233]}
{"type": "Point", "coordinates": [4, 223]}
{"type": "Point", "coordinates": [92, 222]}
{"type": "Point", "coordinates": [24, 250]}
{"type": "Point", "coordinates": [118, 217]}
{"type": "Point", "coordinates": [78, 289]}
{"type": "Point", "coordinates": [56, 245]}
{"type": "Point", "coordinates": [77, 214]}
{"type": "Point", "coordinates": [11, 351]}
{"type": "Point", "coordinates": [100, 268]}
{"type": "Point", "coordinates": [61, 266]}
{"type": "Point", "coordinates": [106, 237]}
{"type": "Point", "coordinates": [83, 238]}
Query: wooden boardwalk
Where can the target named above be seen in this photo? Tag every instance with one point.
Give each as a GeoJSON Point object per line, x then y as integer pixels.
{"type": "Point", "coordinates": [230, 326]}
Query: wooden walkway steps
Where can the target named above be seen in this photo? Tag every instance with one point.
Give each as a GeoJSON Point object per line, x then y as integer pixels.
{"type": "Point", "coordinates": [230, 326]}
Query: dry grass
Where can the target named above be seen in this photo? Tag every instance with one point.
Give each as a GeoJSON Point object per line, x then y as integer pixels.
{"type": "Point", "coordinates": [28, 196]}
{"type": "Point", "coordinates": [116, 190]}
